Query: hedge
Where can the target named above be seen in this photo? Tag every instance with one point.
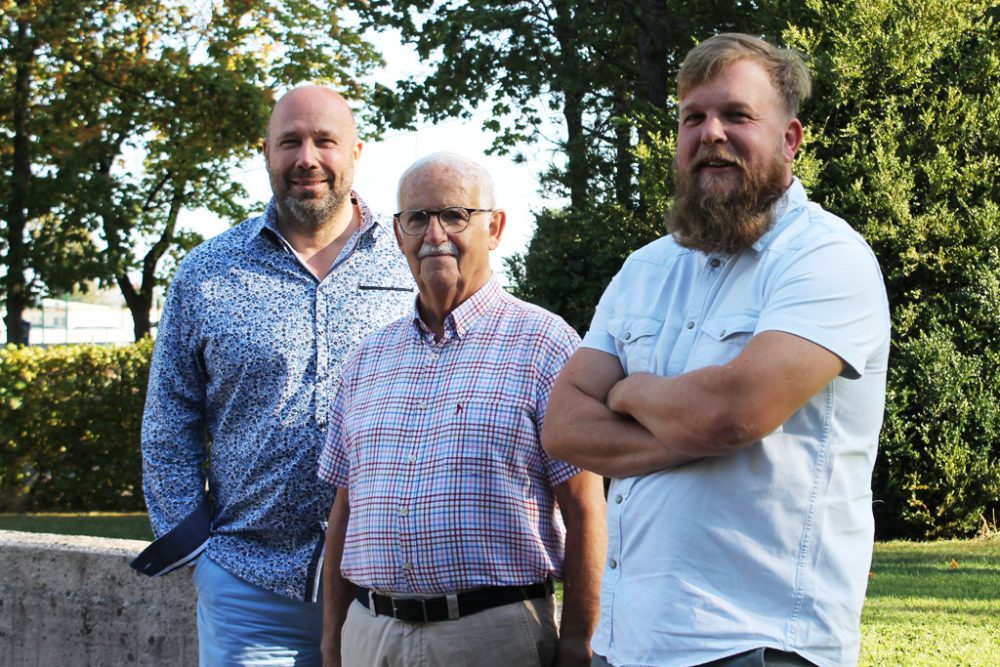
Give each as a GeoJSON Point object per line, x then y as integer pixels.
{"type": "Point", "coordinates": [70, 421]}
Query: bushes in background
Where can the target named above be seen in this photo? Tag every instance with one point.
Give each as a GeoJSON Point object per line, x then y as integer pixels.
{"type": "Point", "coordinates": [69, 427]}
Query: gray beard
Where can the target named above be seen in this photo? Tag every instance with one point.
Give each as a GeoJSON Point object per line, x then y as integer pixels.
{"type": "Point", "coordinates": [309, 214]}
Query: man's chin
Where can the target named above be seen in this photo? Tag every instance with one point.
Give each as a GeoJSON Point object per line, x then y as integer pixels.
{"type": "Point", "coordinates": [718, 186]}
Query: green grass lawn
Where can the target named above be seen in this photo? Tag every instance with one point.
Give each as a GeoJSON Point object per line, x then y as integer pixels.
{"type": "Point", "coordinates": [129, 526]}
{"type": "Point", "coordinates": [924, 610]}
{"type": "Point", "coordinates": [920, 612]}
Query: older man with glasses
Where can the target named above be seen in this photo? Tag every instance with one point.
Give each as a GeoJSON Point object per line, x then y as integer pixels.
{"type": "Point", "coordinates": [445, 538]}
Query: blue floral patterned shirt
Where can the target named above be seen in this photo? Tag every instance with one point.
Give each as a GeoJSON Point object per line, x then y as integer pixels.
{"type": "Point", "coordinates": [248, 353]}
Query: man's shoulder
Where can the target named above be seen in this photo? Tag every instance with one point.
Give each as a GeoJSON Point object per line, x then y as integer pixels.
{"type": "Point", "coordinates": [217, 252]}
{"type": "Point", "coordinates": [535, 320]}
{"type": "Point", "coordinates": [812, 226]}
{"type": "Point", "coordinates": [661, 251]}
{"type": "Point", "coordinates": [394, 333]}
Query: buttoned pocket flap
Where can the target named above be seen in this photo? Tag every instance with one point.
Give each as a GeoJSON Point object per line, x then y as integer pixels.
{"type": "Point", "coordinates": [731, 328]}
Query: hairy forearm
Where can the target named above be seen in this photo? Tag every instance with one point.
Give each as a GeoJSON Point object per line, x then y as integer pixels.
{"type": "Point", "coordinates": [691, 415]}
{"type": "Point", "coordinates": [583, 431]}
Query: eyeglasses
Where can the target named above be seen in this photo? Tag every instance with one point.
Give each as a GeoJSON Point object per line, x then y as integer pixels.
{"type": "Point", "coordinates": [454, 219]}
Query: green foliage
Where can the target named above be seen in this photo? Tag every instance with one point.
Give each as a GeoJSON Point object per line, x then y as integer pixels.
{"type": "Point", "coordinates": [130, 111]}
{"type": "Point", "coordinates": [905, 136]}
{"type": "Point", "coordinates": [573, 255]}
{"type": "Point", "coordinates": [69, 427]}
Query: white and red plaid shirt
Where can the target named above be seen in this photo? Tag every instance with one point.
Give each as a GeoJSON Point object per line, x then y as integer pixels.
{"type": "Point", "coordinates": [438, 445]}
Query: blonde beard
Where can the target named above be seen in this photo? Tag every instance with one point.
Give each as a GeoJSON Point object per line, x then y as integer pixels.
{"type": "Point", "coordinates": [727, 223]}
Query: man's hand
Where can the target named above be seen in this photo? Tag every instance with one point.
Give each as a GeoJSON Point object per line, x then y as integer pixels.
{"type": "Point", "coordinates": [572, 653]}
{"type": "Point", "coordinates": [580, 428]}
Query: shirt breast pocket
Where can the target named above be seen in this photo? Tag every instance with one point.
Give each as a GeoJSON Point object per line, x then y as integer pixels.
{"type": "Point", "coordinates": [723, 338]}
{"type": "Point", "coordinates": [635, 342]}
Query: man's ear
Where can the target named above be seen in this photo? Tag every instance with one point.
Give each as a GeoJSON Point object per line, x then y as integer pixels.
{"type": "Point", "coordinates": [792, 139]}
{"type": "Point", "coordinates": [399, 236]}
{"type": "Point", "coordinates": [498, 221]}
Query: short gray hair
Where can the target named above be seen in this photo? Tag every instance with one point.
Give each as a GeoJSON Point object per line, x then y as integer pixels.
{"type": "Point", "coordinates": [457, 163]}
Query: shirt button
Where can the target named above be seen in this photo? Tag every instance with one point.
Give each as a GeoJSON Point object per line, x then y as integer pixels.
{"type": "Point", "coordinates": [619, 499]}
{"type": "Point", "coordinates": [690, 325]}
{"type": "Point", "coordinates": [722, 333]}
{"type": "Point", "coordinates": [422, 406]}
{"type": "Point", "coordinates": [412, 458]}
{"type": "Point", "coordinates": [404, 512]}
{"type": "Point", "coordinates": [628, 335]}
{"type": "Point", "coordinates": [408, 565]}
{"type": "Point", "coordinates": [715, 263]}
{"type": "Point", "coordinates": [612, 563]}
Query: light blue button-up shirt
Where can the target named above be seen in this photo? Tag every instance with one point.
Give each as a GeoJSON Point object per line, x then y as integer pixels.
{"type": "Point", "coordinates": [769, 546]}
{"type": "Point", "coordinates": [248, 354]}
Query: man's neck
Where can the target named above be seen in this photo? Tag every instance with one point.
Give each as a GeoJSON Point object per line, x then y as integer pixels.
{"type": "Point", "coordinates": [318, 247]}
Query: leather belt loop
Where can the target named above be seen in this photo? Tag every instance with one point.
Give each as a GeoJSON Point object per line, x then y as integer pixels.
{"type": "Point", "coordinates": [452, 606]}
{"type": "Point", "coordinates": [371, 602]}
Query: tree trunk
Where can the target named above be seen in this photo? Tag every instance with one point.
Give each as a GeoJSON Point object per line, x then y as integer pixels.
{"type": "Point", "coordinates": [140, 301]}
{"type": "Point", "coordinates": [624, 158]}
{"type": "Point", "coordinates": [15, 281]}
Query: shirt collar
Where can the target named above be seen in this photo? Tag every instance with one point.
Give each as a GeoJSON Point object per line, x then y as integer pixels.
{"type": "Point", "coordinates": [794, 199]}
{"type": "Point", "coordinates": [461, 320]}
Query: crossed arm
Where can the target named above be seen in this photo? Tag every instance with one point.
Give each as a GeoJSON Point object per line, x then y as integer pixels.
{"type": "Point", "coordinates": [620, 426]}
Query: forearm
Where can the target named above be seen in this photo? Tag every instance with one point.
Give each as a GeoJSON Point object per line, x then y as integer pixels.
{"type": "Point", "coordinates": [688, 415]}
{"type": "Point", "coordinates": [338, 592]}
{"type": "Point", "coordinates": [583, 431]}
{"type": "Point", "coordinates": [581, 503]}
{"type": "Point", "coordinates": [717, 410]}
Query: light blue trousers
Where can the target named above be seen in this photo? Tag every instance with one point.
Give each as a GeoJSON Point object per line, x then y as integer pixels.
{"type": "Point", "coordinates": [240, 624]}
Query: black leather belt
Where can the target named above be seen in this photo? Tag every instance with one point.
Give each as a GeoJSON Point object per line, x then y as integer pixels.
{"type": "Point", "coordinates": [448, 607]}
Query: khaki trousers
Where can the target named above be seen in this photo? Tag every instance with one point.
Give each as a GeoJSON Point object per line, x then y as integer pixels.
{"type": "Point", "coordinates": [514, 635]}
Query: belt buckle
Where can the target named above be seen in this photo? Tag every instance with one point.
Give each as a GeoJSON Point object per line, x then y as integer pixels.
{"type": "Point", "coordinates": [371, 602]}
{"type": "Point", "coordinates": [423, 608]}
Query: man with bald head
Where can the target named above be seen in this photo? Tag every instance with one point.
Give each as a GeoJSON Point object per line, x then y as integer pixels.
{"type": "Point", "coordinates": [256, 327]}
{"type": "Point", "coordinates": [450, 521]}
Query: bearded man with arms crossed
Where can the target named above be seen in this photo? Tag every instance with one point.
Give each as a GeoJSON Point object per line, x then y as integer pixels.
{"type": "Point", "coordinates": [732, 384]}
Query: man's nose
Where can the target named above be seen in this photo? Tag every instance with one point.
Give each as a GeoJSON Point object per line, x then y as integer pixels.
{"type": "Point", "coordinates": [435, 234]}
{"type": "Point", "coordinates": [307, 156]}
{"type": "Point", "coordinates": [713, 131]}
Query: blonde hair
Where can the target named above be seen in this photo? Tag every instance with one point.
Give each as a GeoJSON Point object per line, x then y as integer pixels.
{"type": "Point", "coordinates": [784, 67]}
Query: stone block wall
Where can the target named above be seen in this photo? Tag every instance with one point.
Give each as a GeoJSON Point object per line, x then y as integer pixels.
{"type": "Point", "coordinates": [69, 601]}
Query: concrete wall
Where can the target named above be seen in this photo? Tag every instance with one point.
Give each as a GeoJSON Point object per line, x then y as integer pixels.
{"type": "Point", "coordinates": [68, 601]}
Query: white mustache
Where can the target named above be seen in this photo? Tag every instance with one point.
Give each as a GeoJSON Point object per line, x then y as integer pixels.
{"type": "Point", "coordinates": [446, 248]}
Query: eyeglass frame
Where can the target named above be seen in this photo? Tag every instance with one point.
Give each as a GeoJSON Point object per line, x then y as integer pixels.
{"type": "Point", "coordinates": [437, 214]}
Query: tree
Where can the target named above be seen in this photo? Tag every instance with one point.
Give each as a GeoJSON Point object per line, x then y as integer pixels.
{"type": "Point", "coordinates": [905, 138]}
{"type": "Point", "coordinates": [901, 140]}
{"type": "Point", "coordinates": [598, 70]}
{"type": "Point", "coordinates": [125, 112]}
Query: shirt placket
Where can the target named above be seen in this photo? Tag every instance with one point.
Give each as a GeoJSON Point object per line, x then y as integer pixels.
{"type": "Point", "coordinates": [697, 305]}
{"type": "Point", "coordinates": [423, 392]}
